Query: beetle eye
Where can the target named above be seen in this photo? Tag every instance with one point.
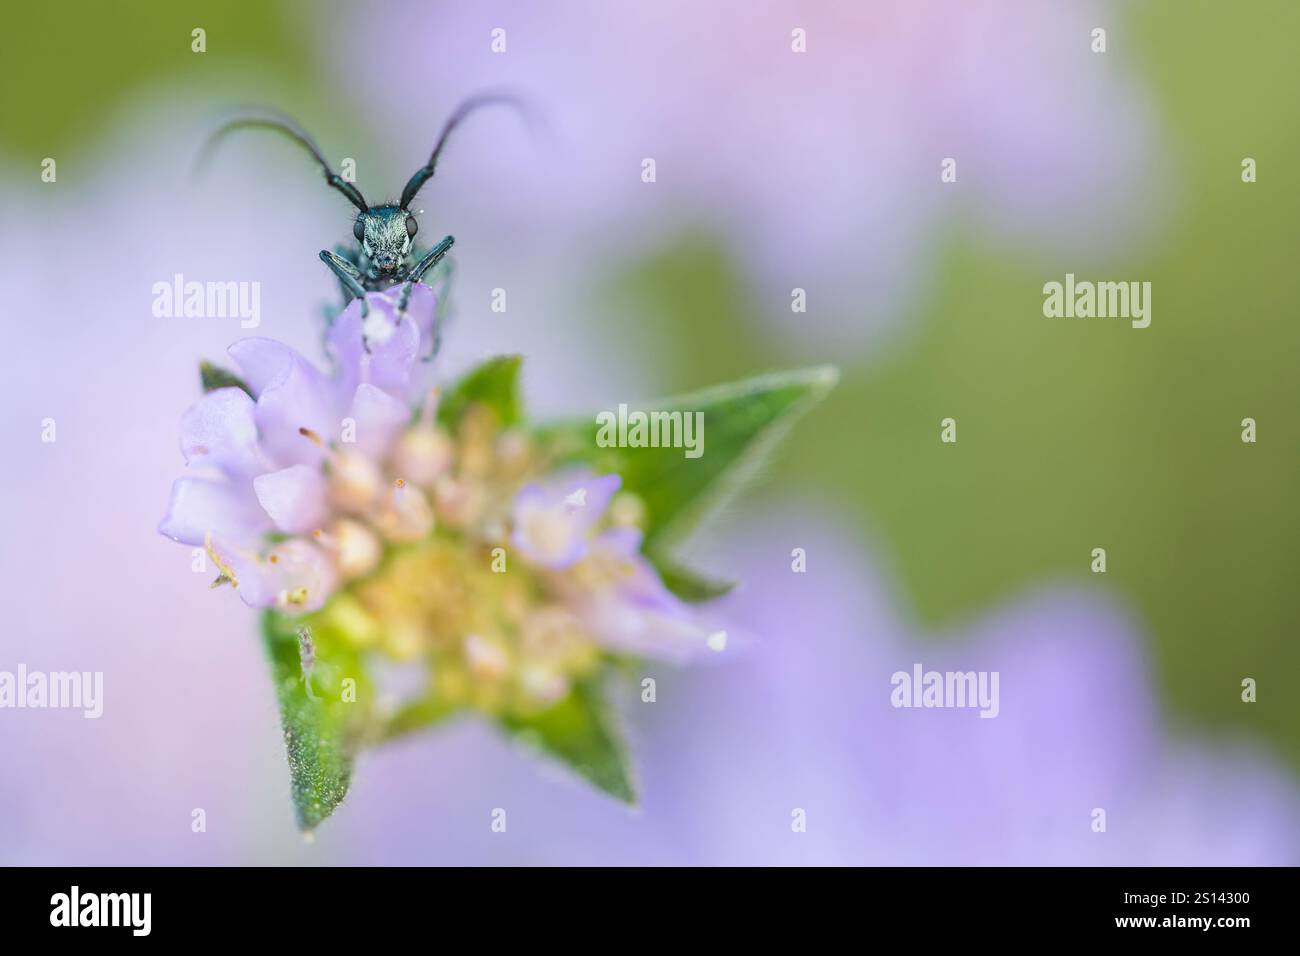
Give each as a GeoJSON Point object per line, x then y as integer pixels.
{"type": "Point", "coordinates": [359, 230]}
{"type": "Point", "coordinates": [411, 227]}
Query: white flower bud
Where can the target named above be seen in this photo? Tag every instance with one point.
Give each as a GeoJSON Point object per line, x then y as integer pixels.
{"type": "Point", "coordinates": [423, 454]}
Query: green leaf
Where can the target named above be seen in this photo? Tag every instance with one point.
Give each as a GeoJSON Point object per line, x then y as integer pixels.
{"type": "Point", "coordinates": [691, 586]}
{"type": "Point", "coordinates": [495, 383]}
{"type": "Point", "coordinates": [582, 732]}
{"type": "Point", "coordinates": [213, 377]}
{"type": "Point", "coordinates": [742, 423]}
{"type": "Point", "coordinates": [322, 734]}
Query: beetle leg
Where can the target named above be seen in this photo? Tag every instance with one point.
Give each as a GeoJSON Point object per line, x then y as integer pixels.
{"type": "Point", "coordinates": [350, 276]}
{"type": "Point", "coordinates": [431, 259]}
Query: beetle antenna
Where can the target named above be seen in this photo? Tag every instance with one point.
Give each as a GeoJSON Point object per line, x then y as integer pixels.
{"type": "Point", "coordinates": [287, 126]}
{"type": "Point", "coordinates": [425, 172]}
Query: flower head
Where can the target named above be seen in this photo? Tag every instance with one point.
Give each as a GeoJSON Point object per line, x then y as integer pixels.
{"type": "Point", "coordinates": [452, 540]}
{"type": "Point", "coordinates": [511, 566]}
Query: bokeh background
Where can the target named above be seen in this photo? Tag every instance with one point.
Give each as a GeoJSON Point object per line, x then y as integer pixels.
{"type": "Point", "coordinates": [775, 170]}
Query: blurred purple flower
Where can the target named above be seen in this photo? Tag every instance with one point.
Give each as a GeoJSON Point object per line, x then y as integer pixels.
{"type": "Point", "coordinates": [821, 167]}
{"type": "Point", "coordinates": [802, 720]}
{"type": "Point", "coordinates": [807, 722]}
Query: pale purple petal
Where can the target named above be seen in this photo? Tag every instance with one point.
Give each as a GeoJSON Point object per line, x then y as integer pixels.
{"type": "Point", "coordinates": [395, 343]}
{"type": "Point", "coordinates": [295, 497]}
{"type": "Point", "coordinates": [301, 566]}
{"type": "Point", "coordinates": [256, 581]}
{"type": "Point", "coordinates": [643, 588]}
{"type": "Point", "coordinates": [552, 521]}
{"type": "Point", "coordinates": [646, 630]}
{"type": "Point", "coordinates": [390, 362]}
{"type": "Point", "coordinates": [599, 492]}
{"type": "Point", "coordinates": [632, 610]}
{"type": "Point", "coordinates": [421, 308]}
{"type": "Point", "coordinates": [545, 534]}
{"type": "Point", "coordinates": [295, 576]}
{"type": "Point", "coordinates": [201, 506]}
{"type": "Point", "coordinates": [220, 429]}
{"type": "Point", "coordinates": [291, 395]}
{"type": "Point", "coordinates": [379, 419]}
{"type": "Point", "coordinates": [261, 361]}
{"type": "Point", "coordinates": [638, 583]}
{"type": "Point", "coordinates": [620, 542]}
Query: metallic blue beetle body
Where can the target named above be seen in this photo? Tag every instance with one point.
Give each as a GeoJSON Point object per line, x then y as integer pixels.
{"type": "Point", "coordinates": [385, 254]}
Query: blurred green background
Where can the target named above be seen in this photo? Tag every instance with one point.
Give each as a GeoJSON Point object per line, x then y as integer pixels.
{"type": "Point", "coordinates": [1071, 436]}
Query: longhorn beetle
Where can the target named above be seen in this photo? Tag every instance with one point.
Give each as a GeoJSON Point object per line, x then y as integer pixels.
{"type": "Point", "coordinates": [385, 254]}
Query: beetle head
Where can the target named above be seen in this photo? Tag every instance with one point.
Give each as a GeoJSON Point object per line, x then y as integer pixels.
{"type": "Point", "coordinates": [386, 233]}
